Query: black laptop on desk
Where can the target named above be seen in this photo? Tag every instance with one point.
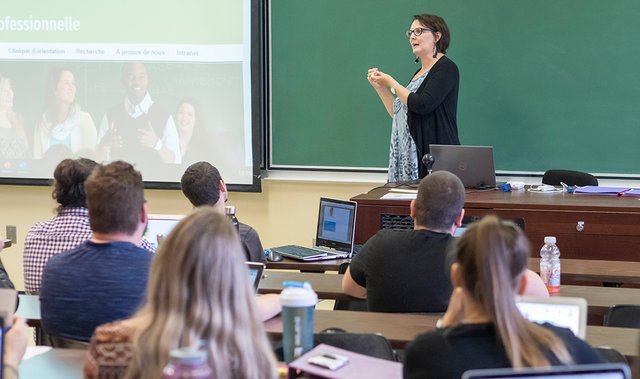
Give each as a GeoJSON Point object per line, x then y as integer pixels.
{"type": "Point", "coordinates": [334, 234]}
{"type": "Point", "coordinates": [472, 164]}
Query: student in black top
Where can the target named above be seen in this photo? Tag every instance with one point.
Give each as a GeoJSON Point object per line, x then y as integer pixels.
{"type": "Point", "coordinates": [202, 184]}
{"type": "Point", "coordinates": [482, 327]}
{"type": "Point", "coordinates": [429, 111]}
{"type": "Point", "coordinates": [405, 270]}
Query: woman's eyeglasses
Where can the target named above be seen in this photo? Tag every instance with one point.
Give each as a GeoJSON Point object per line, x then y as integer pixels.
{"type": "Point", "coordinates": [417, 32]}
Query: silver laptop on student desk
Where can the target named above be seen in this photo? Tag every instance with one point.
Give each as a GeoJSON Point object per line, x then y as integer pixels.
{"type": "Point", "coordinates": [334, 234]}
{"type": "Point", "coordinates": [591, 371]}
{"type": "Point", "coordinates": [562, 311]}
{"type": "Point", "coordinates": [472, 164]}
{"type": "Point", "coordinates": [159, 226]}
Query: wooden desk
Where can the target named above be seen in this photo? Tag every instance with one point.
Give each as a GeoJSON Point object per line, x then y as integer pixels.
{"type": "Point", "coordinates": [573, 269]}
{"type": "Point", "coordinates": [595, 270]}
{"type": "Point", "coordinates": [54, 364]}
{"type": "Point", "coordinates": [610, 229]}
{"type": "Point", "coordinates": [400, 329]}
{"type": "Point", "coordinates": [329, 286]}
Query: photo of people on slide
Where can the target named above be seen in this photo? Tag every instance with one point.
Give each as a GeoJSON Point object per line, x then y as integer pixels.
{"type": "Point", "coordinates": [72, 85]}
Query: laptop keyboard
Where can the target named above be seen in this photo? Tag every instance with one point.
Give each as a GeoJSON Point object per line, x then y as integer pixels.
{"type": "Point", "coordinates": [299, 251]}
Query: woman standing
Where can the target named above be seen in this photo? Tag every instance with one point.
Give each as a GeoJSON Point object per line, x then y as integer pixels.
{"type": "Point", "coordinates": [13, 139]}
{"type": "Point", "coordinates": [423, 112]}
{"type": "Point", "coordinates": [483, 327]}
{"type": "Point", "coordinates": [63, 122]}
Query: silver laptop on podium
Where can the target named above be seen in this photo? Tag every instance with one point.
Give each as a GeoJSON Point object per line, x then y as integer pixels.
{"type": "Point", "coordinates": [472, 164]}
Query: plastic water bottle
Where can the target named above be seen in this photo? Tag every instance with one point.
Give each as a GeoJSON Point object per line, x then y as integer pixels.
{"type": "Point", "coordinates": [187, 363]}
{"type": "Point", "coordinates": [550, 265]}
{"type": "Point", "coordinates": [230, 211]}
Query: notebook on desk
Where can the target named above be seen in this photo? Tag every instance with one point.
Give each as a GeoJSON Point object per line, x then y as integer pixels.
{"type": "Point", "coordinates": [472, 164]}
{"type": "Point", "coordinates": [334, 233]}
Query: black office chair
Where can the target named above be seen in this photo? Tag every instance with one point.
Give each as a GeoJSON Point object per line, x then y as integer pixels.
{"type": "Point", "coordinates": [66, 343]}
{"type": "Point", "coordinates": [352, 304]}
{"type": "Point", "coordinates": [611, 355]}
{"type": "Point", "coordinates": [623, 316]}
{"type": "Point", "coordinates": [371, 344]}
{"type": "Point", "coordinates": [569, 177]}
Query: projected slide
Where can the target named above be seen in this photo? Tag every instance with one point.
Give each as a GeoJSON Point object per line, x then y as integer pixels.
{"type": "Point", "coordinates": [159, 84]}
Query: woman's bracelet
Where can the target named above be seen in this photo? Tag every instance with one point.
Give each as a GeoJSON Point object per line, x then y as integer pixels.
{"type": "Point", "coordinates": [393, 88]}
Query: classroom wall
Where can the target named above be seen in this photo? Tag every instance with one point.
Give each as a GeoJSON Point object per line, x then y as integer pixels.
{"type": "Point", "coordinates": [284, 212]}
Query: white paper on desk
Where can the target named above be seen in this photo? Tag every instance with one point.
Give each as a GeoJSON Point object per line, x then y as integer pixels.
{"type": "Point", "coordinates": [399, 196]}
{"type": "Point", "coordinates": [32, 351]}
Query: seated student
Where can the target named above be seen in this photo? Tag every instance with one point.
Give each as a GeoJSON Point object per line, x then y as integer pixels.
{"type": "Point", "coordinates": [482, 327]}
{"type": "Point", "coordinates": [202, 184]}
{"type": "Point", "coordinates": [405, 270]}
{"type": "Point", "coordinates": [68, 228]}
{"type": "Point", "coordinates": [103, 279]}
{"type": "Point", "coordinates": [198, 289]}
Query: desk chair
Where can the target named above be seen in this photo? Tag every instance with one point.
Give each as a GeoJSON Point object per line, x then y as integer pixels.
{"type": "Point", "coordinates": [611, 355]}
{"type": "Point", "coordinates": [623, 316]}
{"type": "Point", "coordinates": [66, 343]}
{"type": "Point", "coordinates": [371, 344]}
{"type": "Point", "coordinates": [569, 177]}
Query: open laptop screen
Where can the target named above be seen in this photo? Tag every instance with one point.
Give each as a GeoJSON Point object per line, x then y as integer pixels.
{"type": "Point", "coordinates": [566, 312]}
{"type": "Point", "coordinates": [255, 273]}
{"type": "Point", "coordinates": [592, 371]}
{"type": "Point", "coordinates": [336, 221]}
{"type": "Point", "coordinates": [472, 164]}
{"type": "Point", "coordinates": [159, 226]}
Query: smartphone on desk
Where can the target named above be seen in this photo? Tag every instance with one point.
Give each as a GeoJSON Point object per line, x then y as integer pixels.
{"type": "Point", "coordinates": [330, 361]}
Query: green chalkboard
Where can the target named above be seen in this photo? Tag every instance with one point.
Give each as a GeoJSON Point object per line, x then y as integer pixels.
{"type": "Point", "coordinates": [548, 83]}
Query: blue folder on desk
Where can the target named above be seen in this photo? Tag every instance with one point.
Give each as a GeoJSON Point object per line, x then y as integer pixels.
{"type": "Point", "coordinates": [596, 190]}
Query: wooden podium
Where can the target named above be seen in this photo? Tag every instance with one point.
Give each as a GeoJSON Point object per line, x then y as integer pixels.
{"type": "Point", "coordinates": [586, 226]}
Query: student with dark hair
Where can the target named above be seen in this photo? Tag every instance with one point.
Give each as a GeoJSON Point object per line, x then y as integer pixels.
{"type": "Point", "coordinates": [483, 327]}
{"type": "Point", "coordinates": [405, 270]}
{"type": "Point", "coordinates": [66, 230]}
{"type": "Point", "coordinates": [103, 279]}
{"type": "Point", "coordinates": [202, 184]}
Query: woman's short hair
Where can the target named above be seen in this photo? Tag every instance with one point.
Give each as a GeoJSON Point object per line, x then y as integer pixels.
{"type": "Point", "coordinates": [436, 24]}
